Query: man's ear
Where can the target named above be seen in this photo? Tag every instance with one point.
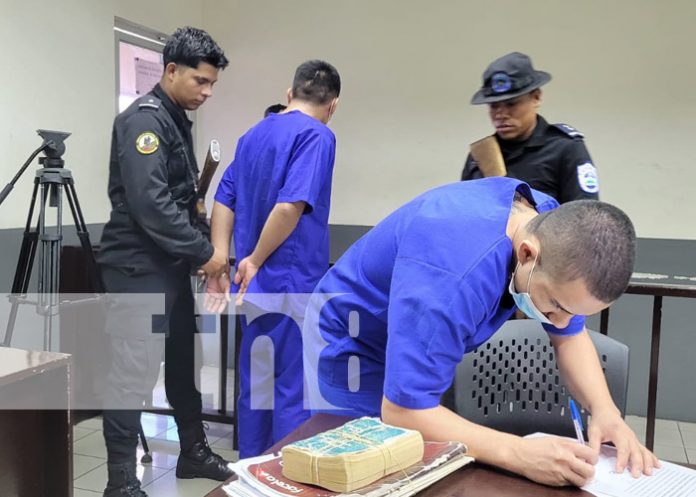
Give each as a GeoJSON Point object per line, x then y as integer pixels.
{"type": "Point", "coordinates": [332, 107]}
{"type": "Point", "coordinates": [537, 97]}
{"type": "Point", "coordinates": [528, 250]}
{"type": "Point", "coordinates": [289, 95]}
{"type": "Point", "coordinates": [169, 70]}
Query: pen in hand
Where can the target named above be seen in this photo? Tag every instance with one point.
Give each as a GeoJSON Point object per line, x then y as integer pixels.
{"type": "Point", "coordinates": [577, 421]}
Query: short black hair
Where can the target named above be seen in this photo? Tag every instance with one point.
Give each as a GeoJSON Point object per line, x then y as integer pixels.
{"type": "Point", "coordinates": [587, 239]}
{"type": "Point", "coordinates": [190, 46]}
{"type": "Point", "coordinates": [274, 109]}
{"type": "Point", "coordinates": [317, 82]}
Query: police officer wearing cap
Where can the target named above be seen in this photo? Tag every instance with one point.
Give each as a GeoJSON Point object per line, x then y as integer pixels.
{"type": "Point", "coordinates": [149, 246]}
{"type": "Point", "coordinates": [551, 158]}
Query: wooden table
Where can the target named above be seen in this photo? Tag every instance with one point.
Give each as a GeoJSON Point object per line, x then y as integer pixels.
{"type": "Point", "coordinates": [35, 428]}
{"type": "Point", "coordinates": [473, 480]}
{"type": "Point", "coordinates": [665, 286]}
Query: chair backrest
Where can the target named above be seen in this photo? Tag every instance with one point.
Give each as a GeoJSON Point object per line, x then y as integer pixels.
{"type": "Point", "coordinates": [511, 383]}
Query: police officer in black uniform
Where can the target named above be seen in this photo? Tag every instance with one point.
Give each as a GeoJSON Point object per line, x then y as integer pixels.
{"type": "Point", "coordinates": [149, 246]}
{"type": "Point", "coordinates": [551, 158]}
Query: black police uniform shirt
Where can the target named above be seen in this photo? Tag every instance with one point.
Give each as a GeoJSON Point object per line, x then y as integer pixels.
{"type": "Point", "coordinates": [553, 160]}
{"type": "Point", "coordinates": [152, 177]}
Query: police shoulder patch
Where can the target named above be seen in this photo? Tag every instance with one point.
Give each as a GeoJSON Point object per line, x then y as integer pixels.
{"type": "Point", "coordinates": [587, 177]}
{"type": "Point", "coordinates": [147, 143]}
{"type": "Point", "coordinates": [568, 130]}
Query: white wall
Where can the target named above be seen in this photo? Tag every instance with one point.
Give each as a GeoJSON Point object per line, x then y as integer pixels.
{"type": "Point", "coordinates": [58, 73]}
{"type": "Point", "coordinates": [622, 75]}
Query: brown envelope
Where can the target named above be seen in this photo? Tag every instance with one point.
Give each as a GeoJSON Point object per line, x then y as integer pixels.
{"type": "Point", "coordinates": [486, 152]}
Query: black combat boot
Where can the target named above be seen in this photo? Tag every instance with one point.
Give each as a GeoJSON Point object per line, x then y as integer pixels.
{"type": "Point", "coordinates": [197, 460]}
{"type": "Point", "coordinates": [123, 481]}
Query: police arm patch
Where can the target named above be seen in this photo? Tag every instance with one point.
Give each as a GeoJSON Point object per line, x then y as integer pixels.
{"type": "Point", "coordinates": [147, 143]}
{"type": "Point", "coordinates": [587, 178]}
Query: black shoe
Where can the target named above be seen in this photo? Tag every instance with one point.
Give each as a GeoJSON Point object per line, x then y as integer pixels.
{"type": "Point", "coordinates": [123, 481]}
{"type": "Point", "coordinates": [201, 462]}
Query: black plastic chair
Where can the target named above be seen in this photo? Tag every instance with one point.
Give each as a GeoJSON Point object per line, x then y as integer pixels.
{"type": "Point", "coordinates": [511, 383]}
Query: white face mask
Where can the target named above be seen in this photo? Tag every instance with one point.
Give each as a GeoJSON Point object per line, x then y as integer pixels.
{"type": "Point", "coordinates": [524, 300]}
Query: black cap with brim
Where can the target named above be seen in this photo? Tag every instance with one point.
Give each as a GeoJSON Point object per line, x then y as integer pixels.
{"type": "Point", "coordinates": [508, 77]}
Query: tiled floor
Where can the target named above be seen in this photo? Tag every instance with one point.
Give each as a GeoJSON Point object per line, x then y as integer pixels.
{"type": "Point", "coordinates": [674, 441]}
{"type": "Point", "coordinates": [158, 477]}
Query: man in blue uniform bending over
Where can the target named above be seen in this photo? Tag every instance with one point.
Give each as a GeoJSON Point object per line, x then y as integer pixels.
{"type": "Point", "coordinates": [276, 195]}
{"type": "Point", "coordinates": [440, 276]}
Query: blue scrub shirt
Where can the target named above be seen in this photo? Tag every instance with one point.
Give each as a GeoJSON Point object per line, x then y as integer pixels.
{"type": "Point", "coordinates": [429, 284]}
{"type": "Point", "coordinates": [284, 158]}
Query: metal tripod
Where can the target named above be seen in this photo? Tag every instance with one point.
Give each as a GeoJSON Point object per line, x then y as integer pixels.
{"type": "Point", "coordinates": [51, 181]}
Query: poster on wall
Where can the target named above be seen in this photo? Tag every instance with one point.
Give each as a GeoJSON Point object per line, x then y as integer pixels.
{"type": "Point", "coordinates": [147, 75]}
{"type": "Point", "coordinates": [139, 70]}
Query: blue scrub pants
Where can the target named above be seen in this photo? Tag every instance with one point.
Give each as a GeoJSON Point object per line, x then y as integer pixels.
{"type": "Point", "coordinates": [271, 388]}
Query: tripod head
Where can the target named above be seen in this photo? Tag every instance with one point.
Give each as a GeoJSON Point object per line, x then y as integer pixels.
{"type": "Point", "coordinates": [53, 147]}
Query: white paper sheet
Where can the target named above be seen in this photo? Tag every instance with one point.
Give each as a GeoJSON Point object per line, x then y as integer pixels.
{"type": "Point", "coordinates": [671, 480]}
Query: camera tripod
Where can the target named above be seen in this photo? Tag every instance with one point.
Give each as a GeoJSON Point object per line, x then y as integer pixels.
{"type": "Point", "coordinates": [51, 181]}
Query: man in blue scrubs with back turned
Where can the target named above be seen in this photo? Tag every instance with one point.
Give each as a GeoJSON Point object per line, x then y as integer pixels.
{"type": "Point", "coordinates": [276, 194]}
{"type": "Point", "coordinates": [437, 278]}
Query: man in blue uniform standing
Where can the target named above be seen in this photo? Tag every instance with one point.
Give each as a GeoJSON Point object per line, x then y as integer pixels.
{"type": "Point", "coordinates": [149, 246]}
{"type": "Point", "coordinates": [437, 278]}
{"type": "Point", "coordinates": [551, 158]}
{"type": "Point", "coordinates": [276, 196]}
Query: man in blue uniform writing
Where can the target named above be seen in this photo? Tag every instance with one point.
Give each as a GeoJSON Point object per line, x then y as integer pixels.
{"type": "Point", "coordinates": [438, 277]}
{"type": "Point", "coordinates": [276, 194]}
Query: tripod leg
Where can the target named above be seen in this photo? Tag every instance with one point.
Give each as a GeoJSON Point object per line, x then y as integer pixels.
{"type": "Point", "coordinates": [49, 248]}
{"type": "Point", "coordinates": [27, 252]}
{"type": "Point", "coordinates": [49, 254]}
{"type": "Point", "coordinates": [147, 457]}
{"type": "Point", "coordinates": [83, 235]}
{"type": "Point", "coordinates": [20, 284]}
{"type": "Point", "coordinates": [7, 341]}
{"type": "Point", "coordinates": [25, 263]}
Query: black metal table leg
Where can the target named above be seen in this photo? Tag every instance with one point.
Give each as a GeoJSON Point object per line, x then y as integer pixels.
{"type": "Point", "coordinates": [222, 372]}
{"type": "Point", "coordinates": [604, 321]}
{"type": "Point", "coordinates": [654, 363]}
{"type": "Point", "coordinates": [237, 347]}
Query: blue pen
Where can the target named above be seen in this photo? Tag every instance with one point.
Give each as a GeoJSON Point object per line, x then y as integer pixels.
{"type": "Point", "coordinates": [577, 421]}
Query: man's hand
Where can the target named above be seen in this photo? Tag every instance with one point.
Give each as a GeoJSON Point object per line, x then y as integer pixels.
{"type": "Point", "coordinates": [580, 368]}
{"type": "Point", "coordinates": [279, 225]}
{"type": "Point", "coordinates": [554, 461]}
{"type": "Point", "coordinates": [246, 270]}
{"type": "Point", "coordinates": [217, 264]}
{"type": "Point", "coordinates": [548, 460]}
{"type": "Point", "coordinates": [608, 426]}
{"type": "Point", "coordinates": [217, 294]}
